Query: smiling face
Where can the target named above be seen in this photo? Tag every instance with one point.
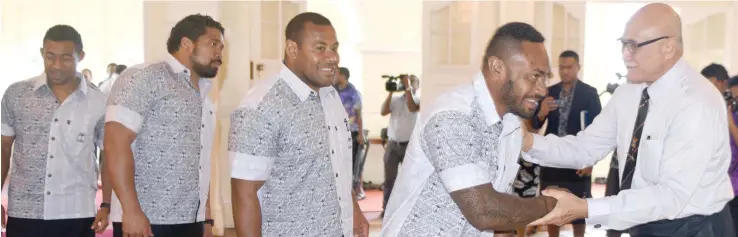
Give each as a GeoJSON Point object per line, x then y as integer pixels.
{"type": "Point", "coordinates": [523, 79]}
{"type": "Point", "coordinates": [60, 61]}
{"type": "Point", "coordinates": [316, 56]}
{"type": "Point", "coordinates": [208, 53]}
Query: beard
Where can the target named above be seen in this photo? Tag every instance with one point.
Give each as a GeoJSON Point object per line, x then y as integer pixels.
{"type": "Point", "coordinates": [509, 97]}
{"type": "Point", "coordinates": [204, 70]}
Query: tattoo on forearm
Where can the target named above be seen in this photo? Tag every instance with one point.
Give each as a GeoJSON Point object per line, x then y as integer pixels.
{"type": "Point", "coordinates": [486, 208]}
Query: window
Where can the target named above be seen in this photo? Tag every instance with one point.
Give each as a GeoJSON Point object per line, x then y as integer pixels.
{"type": "Point", "coordinates": [705, 41]}
{"type": "Point", "coordinates": [450, 34]}
{"type": "Point", "coordinates": [274, 18]}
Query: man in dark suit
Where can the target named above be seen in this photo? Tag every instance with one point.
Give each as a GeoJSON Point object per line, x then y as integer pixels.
{"type": "Point", "coordinates": [563, 108]}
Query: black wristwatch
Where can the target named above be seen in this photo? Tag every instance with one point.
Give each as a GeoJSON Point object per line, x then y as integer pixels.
{"type": "Point", "coordinates": [208, 222]}
{"type": "Point", "coordinates": [104, 205]}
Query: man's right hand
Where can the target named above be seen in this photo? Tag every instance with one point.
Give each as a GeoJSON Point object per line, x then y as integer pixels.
{"type": "Point", "coordinates": [547, 105]}
{"type": "Point", "coordinates": [3, 216]}
{"type": "Point", "coordinates": [136, 224]}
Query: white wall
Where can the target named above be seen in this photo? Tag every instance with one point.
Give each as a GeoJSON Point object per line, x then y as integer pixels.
{"type": "Point", "coordinates": [110, 30]}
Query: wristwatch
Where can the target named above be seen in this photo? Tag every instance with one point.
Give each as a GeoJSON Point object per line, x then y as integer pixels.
{"type": "Point", "coordinates": [105, 205]}
{"type": "Point", "coordinates": [208, 221]}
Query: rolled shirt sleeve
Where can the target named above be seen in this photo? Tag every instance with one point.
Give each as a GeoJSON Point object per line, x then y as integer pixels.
{"type": "Point", "coordinates": [252, 144]}
{"type": "Point", "coordinates": [131, 99]}
{"type": "Point", "coordinates": [8, 118]}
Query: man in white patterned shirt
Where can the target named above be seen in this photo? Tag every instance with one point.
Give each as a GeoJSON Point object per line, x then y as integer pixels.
{"type": "Point", "coordinates": [55, 121]}
{"type": "Point", "coordinates": [290, 145]}
{"type": "Point", "coordinates": [161, 125]}
{"type": "Point", "coordinates": [463, 155]}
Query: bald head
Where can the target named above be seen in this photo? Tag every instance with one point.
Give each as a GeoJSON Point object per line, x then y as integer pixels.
{"type": "Point", "coordinates": [656, 20]}
{"type": "Point", "coordinates": [652, 42]}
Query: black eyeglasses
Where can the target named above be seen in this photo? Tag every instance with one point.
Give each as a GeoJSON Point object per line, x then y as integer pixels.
{"type": "Point", "coordinates": [631, 45]}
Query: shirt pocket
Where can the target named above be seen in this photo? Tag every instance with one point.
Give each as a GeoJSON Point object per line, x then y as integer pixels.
{"type": "Point", "coordinates": [79, 135]}
{"type": "Point", "coordinates": [649, 159]}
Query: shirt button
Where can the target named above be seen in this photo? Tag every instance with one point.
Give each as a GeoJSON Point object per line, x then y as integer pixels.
{"type": "Point", "coordinates": [203, 125]}
{"type": "Point", "coordinates": [69, 121]}
{"type": "Point", "coordinates": [211, 112]}
{"type": "Point", "coordinates": [51, 157]}
{"type": "Point", "coordinates": [56, 120]}
{"type": "Point", "coordinates": [53, 138]}
{"type": "Point", "coordinates": [336, 174]}
{"type": "Point", "coordinates": [332, 151]}
{"type": "Point", "coordinates": [48, 193]}
{"type": "Point", "coordinates": [49, 175]}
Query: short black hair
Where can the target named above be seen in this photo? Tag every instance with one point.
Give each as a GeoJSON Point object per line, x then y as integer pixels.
{"type": "Point", "coordinates": [715, 70]}
{"type": "Point", "coordinates": [570, 54]}
{"type": "Point", "coordinates": [120, 68]}
{"type": "Point", "coordinates": [295, 27]}
{"type": "Point", "coordinates": [344, 71]}
{"type": "Point", "coordinates": [733, 81]}
{"type": "Point", "coordinates": [508, 38]}
{"type": "Point", "coordinates": [192, 27]}
{"type": "Point", "coordinates": [59, 33]}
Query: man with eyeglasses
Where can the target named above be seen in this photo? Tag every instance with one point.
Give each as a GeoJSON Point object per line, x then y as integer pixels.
{"type": "Point", "coordinates": [668, 125]}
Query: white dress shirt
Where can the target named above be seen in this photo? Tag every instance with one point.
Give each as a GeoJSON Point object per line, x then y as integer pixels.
{"type": "Point", "coordinates": [166, 84]}
{"type": "Point", "coordinates": [54, 174]}
{"type": "Point", "coordinates": [683, 158]}
{"type": "Point", "coordinates": [299, 142]}
{"type": "Point", "coordinates": [107, 84]}
{"type": "Point", "coordinates": [460, 141]}
{"type": "Point", "coordinates": [401, 121]}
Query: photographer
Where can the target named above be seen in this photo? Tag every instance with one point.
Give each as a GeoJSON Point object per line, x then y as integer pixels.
{"type": "Point", "coordinates": [403, 112]}
{"type": "Point", "coordinates": [717, 74]}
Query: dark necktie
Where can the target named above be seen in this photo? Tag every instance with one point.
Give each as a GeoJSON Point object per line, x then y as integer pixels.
{"type": "Point", "coordinates": [630, 160]}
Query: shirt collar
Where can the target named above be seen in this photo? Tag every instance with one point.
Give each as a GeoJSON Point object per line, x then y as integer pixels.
{"type": "Point", "coordinates": [669, 83]}
{"type": "Point", "coordinates": [176, 66]}
{"type": "Point", "coordinates": [510, 122]}
{"type": "Point", "coordinates": [40, 81]}
{"type": "Point", "coordinates": [298, 86]}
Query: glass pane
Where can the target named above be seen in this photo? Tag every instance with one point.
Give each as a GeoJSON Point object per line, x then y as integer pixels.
{"type": "Point", "coordinates": [289, 10]}
{"type": "Point", "coordinates": [716, 28]}
{"type": "Point", "coordinates": [572, 27]}
{"type": "Point", "coordinates": [559, 16]}
{"type": "Point", "coordinates": [460, 44]}
{"type": "Point", "coordinates": [270, 43]}
{"type": "Point", "coordinates": [439, 38]}
{"type": "Point", "coordinates": [439, 47]}
{"type": "Point", "coordinates": [269, 11]}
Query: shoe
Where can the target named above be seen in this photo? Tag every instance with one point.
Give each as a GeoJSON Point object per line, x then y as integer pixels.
{"type": "Point", "coordinates": [361, 196]}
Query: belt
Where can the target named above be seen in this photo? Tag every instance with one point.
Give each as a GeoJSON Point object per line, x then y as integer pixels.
{"type": "Point", "coordinates": [400, 143]}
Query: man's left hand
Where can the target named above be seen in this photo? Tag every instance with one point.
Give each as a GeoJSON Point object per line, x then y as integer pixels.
{"type": "Point", "coordinates": [361, 225]}
{"type": "Point", "coordinates": [585, 172]}
{"type": "Point", "coordinates": [360, 139]}
{"type": "Point", "coordinates": [101, 220]}
{"type": "Point", "coordinates": [568, 208]}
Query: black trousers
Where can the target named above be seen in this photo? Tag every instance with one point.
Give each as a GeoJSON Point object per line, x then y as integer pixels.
{"type": "Point", "coordinates": [733, 204]}
{"type": "Point", "coordinates": [393, 156]}
{"type": "Point", "coordinates": [180, 230]}
{"type": "Point", "coordinates": [21, 227]}
{"type": "Point", "coordinates": [719, 224]}
{"type": "Point", "coordinates": [357, 155]}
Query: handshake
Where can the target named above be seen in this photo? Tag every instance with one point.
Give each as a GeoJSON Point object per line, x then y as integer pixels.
{"type": "Point", "coordinates": [568, 208]}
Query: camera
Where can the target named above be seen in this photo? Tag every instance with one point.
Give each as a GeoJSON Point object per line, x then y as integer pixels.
{"type": "Point", "coordinates": [731, 101]}
{"type": "Point", "coordinates": [394, 83]}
